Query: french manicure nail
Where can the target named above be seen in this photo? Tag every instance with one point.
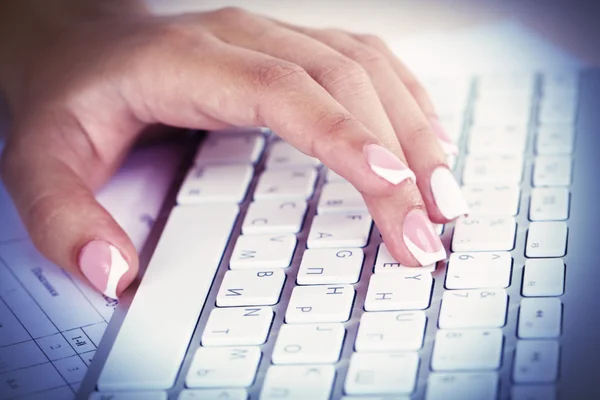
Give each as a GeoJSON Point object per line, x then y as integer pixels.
{"type": "Point", "coordinates": [421, 239]}
{"type": "Point", "coordinates": [448, 145]}
{"type": "Point", "coordinates": [103, 264]}
{"type": "Point", "coordinates": [386, 165]}
{"type": "Point", "coordinates": [447, 194]}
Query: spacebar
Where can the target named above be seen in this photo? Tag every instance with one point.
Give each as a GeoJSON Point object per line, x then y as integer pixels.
{"type": "Point", "coordinates": [155, 334]}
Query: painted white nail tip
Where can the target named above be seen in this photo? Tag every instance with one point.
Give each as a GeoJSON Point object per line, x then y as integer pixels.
{"type": "Point", "coordinates": [118, 267]}
{"type": "Point", "coordinates": [447, 194]}
{"type": "Point", "coordinates": [423, 257]}
{"type": "Point", "coordinates": [394, 176]}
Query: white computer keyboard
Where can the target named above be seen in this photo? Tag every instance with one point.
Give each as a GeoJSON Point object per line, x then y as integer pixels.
{"type": "Point", "coordinates": [303, 301]}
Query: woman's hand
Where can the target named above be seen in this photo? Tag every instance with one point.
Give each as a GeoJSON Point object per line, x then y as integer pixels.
{"type": "Point", "coordinates": [88, 83]}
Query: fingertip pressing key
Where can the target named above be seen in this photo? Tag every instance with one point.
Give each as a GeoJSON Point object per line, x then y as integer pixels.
{"type": "Point", "coordinates": [420, 238]}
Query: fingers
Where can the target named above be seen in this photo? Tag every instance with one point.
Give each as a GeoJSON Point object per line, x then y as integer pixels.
{"type": "Point", "coordinates": [64, 220]}
{"type": "Point", "coordinates": [349, 83]}
{"type": "Point", "coordinates": [415, 131]}
{"type": "Point", "coordinates": [248, 88]}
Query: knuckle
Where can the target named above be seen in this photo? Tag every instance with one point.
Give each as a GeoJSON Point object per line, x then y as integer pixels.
{"type": "Point", "coordinates": [343, 73]}
{"type": "Point", "coordinates": [278, 73]}
{"type": "Point", "coordinates": [415, 131]}
{"type": "Point", "coordinates": [331, 126]}
{"type": "Point", "coordinates": [232, 13]}
{"type": "Point", "coordinates": [371, 39]}
{"type": "Point", "coordinates": [171, 34]}
{"type": "Point", "coordinates": [332, 32]}
{"type": "Point", "coordinates": [368, 56]}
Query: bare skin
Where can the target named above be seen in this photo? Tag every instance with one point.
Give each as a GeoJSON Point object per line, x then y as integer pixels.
{"type": "Point", "coordinates": [83, 82]}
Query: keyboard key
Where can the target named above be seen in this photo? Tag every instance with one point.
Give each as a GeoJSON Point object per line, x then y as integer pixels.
{"type": "Point", "coordinates": [382, 373]}
{"type": "Point", "coordinates": [231, 148]}
{"type": "Point", "coordinates": [390, 331]}
{"type": "Point", "coordinates": [339, 230]}
{"type": "Point", "coordinates": [341, 197]}
{"type": "Point", "coordinates": [397, 292]}
{"type": "Point", "coordinates": [237, 326]}
{"type": "Point", "coordinates": [552, 171]}
{"type": "Point", "coordinates": [558, 109]}
{"type": "Point", "coordinates": [263, 251]}
{"type": "Point", "coordinates": [511, 82]}
{"type": "Point", "coordinates": [478, 270]}
{"type": "Point", "coordinates": [285, 155]}
{"type": "Point", "coordinates": [385, 262]}
{"type": "Point", "coordinates": [498, 140]}
{"type": "Point", "coordinates": [214, 367]}
{"type": "Point", "coordinates": [298, 382]}
{"type": "Point", "coordinates": [473, 309]}
{"type": "Point", "coordinates": [492, 199]}
{"type": "Point", "coordinates": [274, 216]}
{"type": "Point", "coordinates": [250, 288]}
{"type": "Point", "coordinates": [549, 204]}
{"type": "Point", "coordinates": [396, 397]}
{"type": "Point", "coordinates": [223, 183]}
{"type": "Point", "coordinates": [484, 233]}
{"type": "Point", "coordinates": [193, 236]}
{"type": "Point", "coordinates": [560, 82]}
{"type": "Point", "coordinates": [308, 344]}
{"type": "Point", "coordinates": [543, 277]}
{"type": "Point", "coordinates": [546, 239]}
{"type": "Point", "coordinates": [286, 184]}
{"type": "Point", "coordinates": [533, 392]}
{"type": "Point", "coordinates": [555, 139]}
{"type": "Point", "coordinates": [536, 361]}
{"type": "Point", "coordinates": [155, 395]}
{"type": "Point", "coordinates": [496, 109]}
{"type": "Point", "coordinates": [330, 266]}
{"type": "Point", "coordinates": [213, 394]}
{"type": "Point", "coordinates": [462, 385]}
{"type": "Point", "coordinates": [320, 304]}
{"type": "Point", "coordinates": [504, 129]}
{"type": "Point", "coordinates": [467, 349]}
{"type": "Point", "coordinates": [540, 318]}
{"type": "Point", "coordinates": [493, 168]}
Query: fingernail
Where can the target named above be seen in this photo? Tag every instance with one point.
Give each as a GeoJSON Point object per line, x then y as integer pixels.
{"type": "Point", "coordinates": [447, 194]}
{"type": "Point", "coordinates": [386, 165]}
{"type": "Point", "coordinates": [421, 239]}
{"type": "Point", "coordinates": [103, 265]}
{"type": "Point", "coordinates": [448, 145]}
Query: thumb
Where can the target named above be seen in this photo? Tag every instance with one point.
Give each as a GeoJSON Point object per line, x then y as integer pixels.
{"type": "Point", "coordinates": [64, 220]}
